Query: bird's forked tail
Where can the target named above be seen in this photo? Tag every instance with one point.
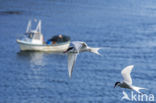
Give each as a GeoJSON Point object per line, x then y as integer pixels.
{"type": "Point", "coordinates": [137, 89]}
{"type": "Point", "coordinates": [95, 50]}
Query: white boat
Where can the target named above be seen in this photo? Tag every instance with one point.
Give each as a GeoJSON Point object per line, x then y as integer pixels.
{"type": "Point", "coordinates": [33, 41]}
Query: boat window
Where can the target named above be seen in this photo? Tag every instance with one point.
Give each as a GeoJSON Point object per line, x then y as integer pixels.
{"type": "Point", "coordinates": [29, 35]}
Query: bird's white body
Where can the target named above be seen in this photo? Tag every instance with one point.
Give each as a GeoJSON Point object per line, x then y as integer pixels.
{"type": "Point", "coordinates": [127, 82]}
{"type": "Point", "coordinates": [75, 50]}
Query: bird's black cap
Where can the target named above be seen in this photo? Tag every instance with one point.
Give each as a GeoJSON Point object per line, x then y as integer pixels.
{"type": "Point", "coordinates": [116, 84]}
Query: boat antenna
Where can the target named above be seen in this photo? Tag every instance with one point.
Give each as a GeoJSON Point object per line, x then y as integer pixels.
{"type": "Point", "coordinates": [29, 26]}
{"type": "Point", "coordinates": [38, 28]}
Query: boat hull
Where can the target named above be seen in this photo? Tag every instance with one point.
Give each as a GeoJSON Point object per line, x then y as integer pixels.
{"type": "Point", "coordinates": [51, 48]}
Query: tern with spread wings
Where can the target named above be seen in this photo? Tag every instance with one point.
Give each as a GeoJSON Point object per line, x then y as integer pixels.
{"type": "Point", "coordinates": [73, 51]}
{"type": "Point", "coordinates": [127, 82]}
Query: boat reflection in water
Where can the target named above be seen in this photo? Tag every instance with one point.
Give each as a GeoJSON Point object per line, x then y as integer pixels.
{"type": "Point", "coordinates": [35, 58]}
{"type": "Point", "coordinates": [35, 70]}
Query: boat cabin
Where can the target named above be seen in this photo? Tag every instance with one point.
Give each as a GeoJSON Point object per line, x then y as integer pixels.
{"type": "Point", "coordinates": [34, 36]}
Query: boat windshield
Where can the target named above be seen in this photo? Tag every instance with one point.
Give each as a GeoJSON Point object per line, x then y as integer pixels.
{"type": "Point", "coordinates": [29, 35]}
{"type": "Point", "coordinates": [33, 35]}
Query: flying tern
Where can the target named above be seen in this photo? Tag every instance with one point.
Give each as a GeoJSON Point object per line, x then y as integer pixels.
{"type": "Point", "coordinates": [127, 82]}
{"type": "Point", "coordinates": [73, 51]}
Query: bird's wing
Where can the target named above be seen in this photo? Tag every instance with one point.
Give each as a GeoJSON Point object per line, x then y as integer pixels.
{"type": "Point", "coordinates": [71, 61]}
{"type": "Point", "coordinates": [78, 45]}
{"type": "Point", "coordinates": [126, 74]}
